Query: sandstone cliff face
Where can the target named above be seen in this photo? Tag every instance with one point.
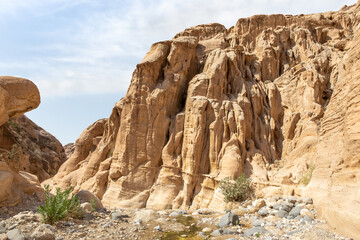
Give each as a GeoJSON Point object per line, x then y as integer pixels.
{"type": "Point", "coordinates": [271, 97]}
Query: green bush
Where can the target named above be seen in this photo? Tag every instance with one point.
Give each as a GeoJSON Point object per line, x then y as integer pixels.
{"type": "Point", "coordinates": [236, 191]}
{"type": "Point", "coordinates": [307, 175]}
{"type": "Point", "coordinates": [60, 206]}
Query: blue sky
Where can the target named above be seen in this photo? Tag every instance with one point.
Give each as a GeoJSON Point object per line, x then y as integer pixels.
{"type": "Point", "coordinates": [81, 53]}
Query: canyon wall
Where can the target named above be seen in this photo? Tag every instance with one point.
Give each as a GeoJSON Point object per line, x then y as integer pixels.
{"type": "Point", "coordinates": [275, 97]}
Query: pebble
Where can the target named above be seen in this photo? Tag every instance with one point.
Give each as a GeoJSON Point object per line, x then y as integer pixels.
{"type": "Point", "coordinates": [252, 231]}
{"type": "Point", "coordinates": [282, 213]}
{"type": "Point", "coordinates": [217, 232]}
{"type": "Point", "coordinates": [158, 228]}
{"type": "Point", "coordinates": [206, 230]}
{"type": "Point", "coordinates": [263, 212]}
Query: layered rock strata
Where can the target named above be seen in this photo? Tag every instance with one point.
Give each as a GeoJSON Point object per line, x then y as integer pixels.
{"type": "Point", "coordinates": [274, 97]}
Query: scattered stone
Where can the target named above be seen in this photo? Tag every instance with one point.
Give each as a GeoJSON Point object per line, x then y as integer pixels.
{"type": "Point", "coordinates": [305, 212]}
{"type": "Point", "coordinates": [295, 211]}
{"type": "Point", "coordinates": [117, 216]}
{"type": "Point", "coordinates": [174, 214]}
{"type": "Point", "coordinates": [239, 211]}
{"type": "Point", "coordinates": [227, 219]}
{"type": "Point", "coordinates": [285, 207]}
{"type": "Point", "coordinates": [205, 211]}
{"type": "Point", "coordinates": [293, 232]}
{"type": "Point", "coordinates": [44, 232]}
{"type": "Point", "coordinates": [138, 221]}
{"type": "Point", "coordinates": [206, 230]}
{"type": "Point", "coordinates": [217, 232]}
{"type": "Point", "coordinates": [15, 234]}
{"type": "Point", "coordinates": [282, 213]}
{"type": "Point", "coordinates": [229, 231]}
{"type": "Point", "coordinates": [292, 199]}
{"type": "Point", "coordinates": [251, 231]}
{"type": "Point", "coordinates": [59, 238]}
{"type": "Point", "coordinates": [263, 212]}
{"type": "Point", "coordinates": [276, 206]}
{"type": "Point", "coordinates": [307, 218]}
{"type": "Point", "coordinates": [146, 215]}
{"type": "Point", "coordinates": [13, 226]}
{"type": "Point", "coordinates": [158, 228]}
{"type": "Point", "coordinates": [182, 212]}
{"type": "Point", "coordinates": [3, 236]}
{"type": "Point", "coordinates": [258, 223]}
{"type": "Point", "coordinates": [259, 203]}
{"type": "Point", "coordinates": [107, 225]}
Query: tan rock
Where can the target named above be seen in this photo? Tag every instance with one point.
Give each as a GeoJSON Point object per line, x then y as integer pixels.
{"type": "Point", "coordinates": [259, 203]}
{"type": "Point", "coordinates": [146, 215]}
{"type": "Point", "coordinates": [240, 211]}
{"type": "Point", "coordinates": [14, 184]}
{"type": "Point", "coordinates": [305, 212]}
{"type": "Point", "coordinates": [18, 95]}
{"type": "Point", "coordinates": [88, 197]}
{"type": "Point", "coordinates": [274, 97]}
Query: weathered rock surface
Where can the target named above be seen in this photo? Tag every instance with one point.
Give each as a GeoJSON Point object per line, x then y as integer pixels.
{"type": "Point", "coordinates": [27, 147]}
{"type": "Point", "coordinates": [275, 97]}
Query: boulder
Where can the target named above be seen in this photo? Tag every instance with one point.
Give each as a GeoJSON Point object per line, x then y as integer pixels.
{"type": "Point", "coordinates": [44, 232]}
{"type": "Point", "coordinates": [87, 197]}
{"type": "Point", "coordinates": [227, 219]}
{"type": "Point", "coordinates": [15, 234]}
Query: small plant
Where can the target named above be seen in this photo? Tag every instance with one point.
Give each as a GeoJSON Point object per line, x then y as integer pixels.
{"type": "Point", "coordinates": [60, 206]}
{"type": "Point", "coordinates": [236, 191]}
{"type": "Point", "coordinates": [93, 205]}
{"type": "Point", "coordinates": [307, 175]}
{"type": "Point", "coordinates": [14, 154]}
{"type": "Point", "coordinates": [14, 125]}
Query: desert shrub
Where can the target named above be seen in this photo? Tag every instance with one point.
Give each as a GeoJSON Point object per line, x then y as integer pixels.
{"type": "Point", "coordinates": [60, 206]}
{"type": "Point", "coordinates": [93, 205]}
{"type": "Point", "coordinates": [14, 125]}
{"type": "Point", "coordinates": [238, 190]}
{"type": "Point", "coordinates": [307, 175]}
{"type": "Point", "coordinates": [14, 154]}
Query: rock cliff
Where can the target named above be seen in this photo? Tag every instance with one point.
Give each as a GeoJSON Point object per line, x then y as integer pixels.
{"type": "Point", "coordinates": [275, 97]}
{"type": "Point", "coordinates": [27, 152]}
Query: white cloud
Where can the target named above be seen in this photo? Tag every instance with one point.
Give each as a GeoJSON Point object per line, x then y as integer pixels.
{"type": "Point", "coordinates": [97, 52]}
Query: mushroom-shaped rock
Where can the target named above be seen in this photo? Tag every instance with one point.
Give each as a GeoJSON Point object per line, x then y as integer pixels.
{"type": "Point", "coordinates": [17, 96]}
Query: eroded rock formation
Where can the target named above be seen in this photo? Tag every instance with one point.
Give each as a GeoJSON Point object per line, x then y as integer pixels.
{"type": "Point", "coordinates": [27, 152]}
{"type": "Point", "coordinates": [27, 147]}
{"type": "Point", "coordinates": [272, 96]}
